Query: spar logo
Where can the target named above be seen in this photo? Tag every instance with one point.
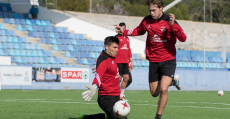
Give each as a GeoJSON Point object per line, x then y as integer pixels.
{"type": "Point", "coordinates": [74, 75]}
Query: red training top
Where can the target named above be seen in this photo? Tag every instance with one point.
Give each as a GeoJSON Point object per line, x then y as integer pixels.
{"type": "Point", "coordinates": [161, 39]}
{"type": "Point", "coordinates": [124, 50]}
{"type": "Point", "coordinates": [107, 75]}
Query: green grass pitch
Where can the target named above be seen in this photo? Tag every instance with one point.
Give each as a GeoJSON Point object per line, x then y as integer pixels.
{"type": "Point", "coordinates": [67, 104]}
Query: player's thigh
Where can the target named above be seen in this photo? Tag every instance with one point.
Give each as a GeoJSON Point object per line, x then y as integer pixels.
{"type": "Point", "coordinates": [155, 88]}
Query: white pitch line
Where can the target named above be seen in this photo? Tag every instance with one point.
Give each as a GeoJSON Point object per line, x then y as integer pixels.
{"type": "Point", "coordinates": [130, 104]}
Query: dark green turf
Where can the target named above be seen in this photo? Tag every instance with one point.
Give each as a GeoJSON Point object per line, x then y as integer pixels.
{"type": "Point", "coordinates": [56, 104]}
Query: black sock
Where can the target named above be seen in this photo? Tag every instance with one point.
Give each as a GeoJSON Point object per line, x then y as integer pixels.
{"type": "Point", "coordinates": [158, 116]}
{"type": "Point", "coordinates": [173, 83]}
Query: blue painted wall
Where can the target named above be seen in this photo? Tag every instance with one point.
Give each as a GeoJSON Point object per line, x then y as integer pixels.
{"type": "Point", "coordinates": [191, 81]}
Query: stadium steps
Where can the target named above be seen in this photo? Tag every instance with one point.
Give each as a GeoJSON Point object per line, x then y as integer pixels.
{"type": "Point", "coordinates": [47, 47]}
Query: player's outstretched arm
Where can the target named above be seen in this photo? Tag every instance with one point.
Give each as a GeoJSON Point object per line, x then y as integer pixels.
{"type": "Point", "coordinates": [178, 31]}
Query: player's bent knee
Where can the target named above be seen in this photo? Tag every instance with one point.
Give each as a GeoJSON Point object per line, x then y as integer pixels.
{"type": "Point", "coordinates": [163, 91]}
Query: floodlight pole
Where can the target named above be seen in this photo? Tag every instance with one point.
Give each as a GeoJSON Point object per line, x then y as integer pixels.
{"type": "Point", "coordinates": [204, 38]}
{"type": "Point", "coordinates": [90, 6]}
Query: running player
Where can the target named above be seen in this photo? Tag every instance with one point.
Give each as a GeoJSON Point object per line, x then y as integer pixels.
{"type": "Point", "coordinates": [123, 57]}
{"type": "Point", "coordinates": [106, 80]}
{"type": "Point", "coordinates": [163, 32]}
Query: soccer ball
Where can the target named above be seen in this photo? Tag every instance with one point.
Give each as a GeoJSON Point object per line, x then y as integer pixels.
{"type": "Point", "coordinates": [121, 108]}
{"type": "Point", "coordinates": [220, 93]}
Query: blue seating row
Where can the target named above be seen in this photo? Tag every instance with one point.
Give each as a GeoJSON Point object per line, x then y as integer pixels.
{"type": "Point", "coordinates": [85, 61]}
{"type": "Point", "coordinates": [27, 21]}
{"type": "Point", "coordinates": [7, 33]}
{"type": "Point", "coordinates": [55, 35]}
{"type": "Point", "coordinates": [41, 60]}
{"type": "Point", "coordinates": [77, 48]}
{"type": "Point", "coordinates": [41, 28]}
{"type": "Point", "coordinates": [200, 59]}
{"type": "Point", "coordinates": [13, 39]}
{"type": "Point", "coordinates": [20, 46]}
{"type": "Point", "coordinates": [91, 55]}
{"type": "Point", "coordinates": [200, 65]}
{"type": "Point", "coordinates": [72, 42]}
{"type": "Point", "coordinates": [7, 15]}
{"type": "Point", "coordinates": [28, 53]}
{"type": "Point", "coordinates": [5, 9]}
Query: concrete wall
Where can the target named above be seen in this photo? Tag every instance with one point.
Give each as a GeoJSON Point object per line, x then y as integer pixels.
{"type": "Point", "coordinates": [191, 81]}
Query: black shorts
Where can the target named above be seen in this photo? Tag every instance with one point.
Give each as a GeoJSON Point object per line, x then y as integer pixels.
{"type": "Point", "coordinates": [123, 68]}
{"type": "Point", "coordinates": [158, 69]}
{"type": "Point", "coordinates": [106, 103]}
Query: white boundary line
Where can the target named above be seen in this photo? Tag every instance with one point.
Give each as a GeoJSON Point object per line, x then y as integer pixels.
{"type": "Point", "coordinates": [43, 101]}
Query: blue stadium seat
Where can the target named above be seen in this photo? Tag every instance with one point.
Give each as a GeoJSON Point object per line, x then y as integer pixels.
{"type": "Point", "coordinates": [19, 39]}
{"type": "Point", "coordinates": [40, 60]}
{"type": "Point", "coordinates": [97, 43]}
{"type": "Point", "coordinates": [83, 42]}
{"type": "Point", "coordinates": [18, 60]}
{"type": "Point", "coordinates": [9, 39]}
{"type": "Point", "coordinates": [6, 20]}
{"type": "Point", "coordinates": [56, 35]}
{"type": "Point", "coordinates": [5, 15]}
{"type": "Point", "coordinates": [92, 55]}
{"type": "Point", "coordinates": [26, 16]}
{"type": "Point", "coordinates": [15, 46]}
{"type": "Point", "coordinates": [66, 36]}
{"type": "Point", "coordinates": [82, 54]}
{"type": "Point", "coordinates": [196, 59]}
{"type": "Point", "coordinates": [227, 66]}
{"type": "Point", "coordinates": [16, 15]}
{"type": "Point", "coordinates": [77, 55]}
{"type": "Point", "coordinates": [80, 37]}
{"type": "Point", "coordinates": [22, 21]}
{"type": "Point", "coordinates": [51, 60]}
{"type": "Point", "coordinates": [29, 28]}
{"type": "Point", "coordinates": [100, 49]}
{"type": "Point", "coordinates": [26, 46]}
{"type": "Point", "coordinates": [37, 22]}
{"type": "Point", "coordinates": [11, 52]}
{"type": "Point", "coordinates": [30, 34]}
{"type": "Point", "coordinates": [7, 33]}
{"type": "Point", "coordinates": [85, 48]}
{"type": "Point", "coordinates": [11, 21]}
{"type": "Point", "coordinates": [19, 27]}
{"type": "Point", "coordinates": [102, 43]}
{"type": "Point", "coordinates": [135, 56]}
{"type": "Point", "coordinates": [5, 52]}
{"type": "Point", "coordinates": [32, 22]}
{"type": "Point", "coordinates": [12, 33]}
{"type": "Point", "coordinates": [59, 29]}
{"type": "Point", "coordinates": [49, 29]}
{"type": "Point", "coordinates": [2, 27]}
{"type": "Point", "coordinates": [54, 29]}
{"type": "Point", "coordinates": [39, 28]}
{"type": "Point", "coordinates": [143, 63]}
{"type": "Point", "coordinates": [72, 54]}
{"type": "Point", "coordinates": [65, 48]}
{"type": "Point", "coordinates": [68, 42]}
{"type": "Point", "coordinates": [47, 22]}
{"type": "Point", "coordinates": [44, 54]}
{"type": "Point", "coordinates": [138, 63]}
{"type": "Point", "coordinates": [17, 21]}
{"type": "Point", "coordinates": [2, 32]}
{"type": "Point", "coordinates": [46, 35]}
{"type": "Point", "coordinates": [43, 23]}
{"type": "Point", "coordinates": [79, 61]}
{"type": "Point", "coordinates": [9, 9]}
{"type": "Point", "coordinates": [55, 47]}
{"type": "Point", "coordinates": [48, 41]}
{"type": "Point", "coordinates": [45, 60]}
{"type": "Point", "coordinates": [17, 53]}
{"type": "Point", "coordinates": [11, 15]}
{"type": "Point", "coordinates": [90, 49]}
{"type": "Point", "coordinates": [43, 29]}
{"type": "Point", "coordinates": [32, 46]}
{"type": "Point", "coordinates": [28, 53]}
{"type": "Point", "coordinates": [20, 46]}
{"type": "Point", "coordinates": [75, 48]}
{"type": "Point", "coordinates": [37, 47]}
{"type": "Point", "coordinates": [23, 53]}
{"type": "Point", "coordinates": [76, 36]}
{"type": "Point", "coordinates": [70, 48]}
{"type": "Point", "coordinates": [13, 59]}
{"type": "Point", "coordinates": [2, 39]}
{"type": "Point", "coordinates": [49, 54]}
{"type": "Point", "coordinates": [62, 61]}
{"type": "Point", "coordinates": [34, 60]}
{"type": "Point", "coordinates": [61, 35]}
{"type": "Point", "coordinates": [41, 34]}
{"type": "Point", "coordinates": [67, 54]}
{"type": "Point", "coordinates": [1, 14]}
{"type": "Point", "coordinates": [20, 15]}
{"type": "Point", "coordinates": [71, 36]}
{"type": "Point", "coordinates": [53, 41]}
{"type": "Point", "coordinates": [73, 42]}
{"type": "Point", "coordinates": [87, 55]}
{"type": "Point", "coordinates": [64, 30]}
{"type": "Point", "coordinates": [35, 34]}
{"type": "Point", "coordinates": [24, 40]}
{"type": "Point", "coordinates": [34, 53]}
{"type": "Point", "coordinates": [60, 47]}
{"type": "Point", "coordinates": [9, 46]}
{"type": "Point", "coordinates": [97, 54]}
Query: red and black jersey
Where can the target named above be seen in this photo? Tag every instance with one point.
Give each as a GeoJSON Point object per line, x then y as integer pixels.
{"type": "Point", "coordinates": [107, 75]}
{"type": "Point", "coordinates": [161, 38]}
{"type": "Point", "coordinates": [124, 50]}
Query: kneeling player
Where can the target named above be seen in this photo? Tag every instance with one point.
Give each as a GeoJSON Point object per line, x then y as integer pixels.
{"type": "Point", "coordinates": [106, 80]}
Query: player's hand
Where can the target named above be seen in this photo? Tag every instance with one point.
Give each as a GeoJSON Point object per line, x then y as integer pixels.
{"type": "Point", "coordinates": [131, 66]}
{"type": "Point", "coordinates": [171, 18]}
{"type": "Point", "coordinates": [119, 29]}
{"type": "Point", "coordinates": [88, 95]}
{"type": "Point", "coordinates": [94, 69]}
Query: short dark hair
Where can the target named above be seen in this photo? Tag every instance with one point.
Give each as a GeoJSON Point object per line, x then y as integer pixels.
{"type": "Point", "coordinates": [159, 3]}
{"type": "Point", "coordinates": [111, 39]}
{"type": "Point", "coordinates": [122, 24]}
